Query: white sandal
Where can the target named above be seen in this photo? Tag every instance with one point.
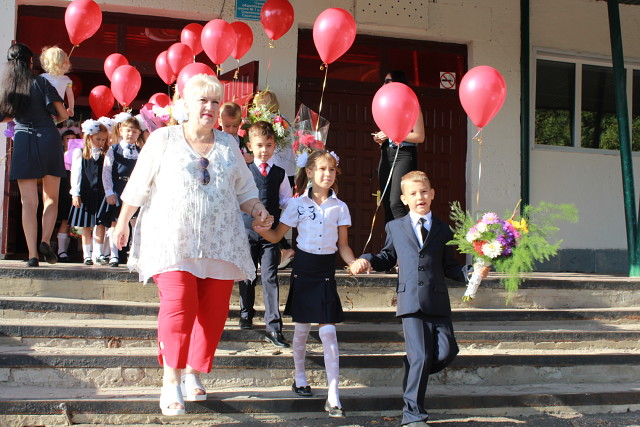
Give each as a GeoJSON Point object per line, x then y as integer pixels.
{"type": "Point", "coordinates": [169, 395]}
{"type": "Point", "coordinates": [189, 384]}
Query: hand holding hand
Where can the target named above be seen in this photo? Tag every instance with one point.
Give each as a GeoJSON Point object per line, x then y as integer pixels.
{"type": "Point", "coordinates": [359, 266]}
{"type": "Point", "coordinates": [262, 223]}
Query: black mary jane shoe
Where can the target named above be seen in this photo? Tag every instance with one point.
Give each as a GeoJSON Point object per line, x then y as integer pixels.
{"type": "Point", "coordinates": [304, 391]}
{"type": "Point", "coordinates": [63, 257]}
{"type": "Point", "coordinates": [48, 253]}
{"type": "Point", "coordinates": [33, 262]}
{"type": "Point", "coordinates": [88, 261]}
{"type": "Point", "coordinates": [114, 262]}
{"type": "Point", "coordinates": [333, 411]}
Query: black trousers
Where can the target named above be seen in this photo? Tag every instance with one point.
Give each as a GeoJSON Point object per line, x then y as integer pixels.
{"type": "Point", "coordinates": [268, 254]}
{"type": "Point", "coordinates": [431, 346]}
{"type": "Point", "coordinates": [406, 161]}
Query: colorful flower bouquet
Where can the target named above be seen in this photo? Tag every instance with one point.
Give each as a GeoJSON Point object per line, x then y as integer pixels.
{"type": "Point", "coordinates": [308, 133]}
{"type": "Point", "coordinates": [256, 113]}
{"type": "Point", "coordinates": [512, 245]}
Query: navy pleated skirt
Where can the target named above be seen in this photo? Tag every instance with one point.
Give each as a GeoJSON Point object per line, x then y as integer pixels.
{"type": "Point", "coordinates": [87, 214]}
{"type": "Point", "coordinates": [313, 294]}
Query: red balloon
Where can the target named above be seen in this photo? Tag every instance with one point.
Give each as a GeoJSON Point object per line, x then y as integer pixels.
{"type": "Point", "coordinates": [125, 84]}
{"type": "Point", "coordinates": [112, 62]}
{"type": "Point", "coordinates": [333, 33]}
{"type": "Point", "coordinates": [160, 99]}
{"type": "Point", "coordinates": [190, 71]}
{"type": "Point", "coordinates": [395, 109]}
{"type": "Point", "coordinates": [76, 87]}
{"type": "Point", "coordinates": [190, 36]}
{"type": "Point", "coordinates": [101, 100]}
{"type": "Point", "coordinates": [276, 18]}
{"type": "Point", "coordinates": [179, 55]}
{"type": "Point", "coordinates": [244, 39]}
{"type": "Point", "coordinates": [482, 93]}
{"type": "Point", "coordinates": [163, 69]}
{"type": "Point", "coordinates": [218, 40]}
{"type": "Point", "coordinates": [82, 19]}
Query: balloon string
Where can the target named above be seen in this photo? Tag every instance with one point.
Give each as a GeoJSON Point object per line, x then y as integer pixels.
{"type": "Point", "coordinates": [72, 48]}
{"type": "Point", "coordinates": [235, 76]}
{"type": "Point", "coordinates": [324, 84]}
{"type": "Point", "coordinates": [379, 202]}
{"type": "Point", "coordinates": [268, 69]}
{"type": "Point", "coordinates": [478, 138]}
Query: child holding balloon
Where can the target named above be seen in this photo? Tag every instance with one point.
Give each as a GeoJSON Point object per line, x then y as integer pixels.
{"type": "Point", "coordinates": [119, 162]}
{"type": "Point", "coordinates": [56, 64]}
{"type": "Point", "coordinates": [86, 188]}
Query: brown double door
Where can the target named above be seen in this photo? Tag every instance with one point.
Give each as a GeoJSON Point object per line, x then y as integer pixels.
{"type": "Point", "coordinates": [352, 83]}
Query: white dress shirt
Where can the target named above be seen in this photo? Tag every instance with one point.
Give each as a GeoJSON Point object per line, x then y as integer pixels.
{"type": "Point", "coordinates": [415, 222]}
{"type": "Point", "coordinates": [317, 225]}
{"type": "Point", "coordinates": [285, 192]}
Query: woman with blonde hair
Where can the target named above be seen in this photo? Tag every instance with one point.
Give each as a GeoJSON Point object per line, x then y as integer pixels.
{"type": "Point", "coordinates": [190, 183]}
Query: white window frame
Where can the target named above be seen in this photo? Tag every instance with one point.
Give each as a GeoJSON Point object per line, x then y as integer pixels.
{"type": "Point", "coordinates": [578, 60]}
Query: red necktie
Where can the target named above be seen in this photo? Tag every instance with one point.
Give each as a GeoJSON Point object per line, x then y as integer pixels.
{"type": "Point", "coordinates": [263, 169]}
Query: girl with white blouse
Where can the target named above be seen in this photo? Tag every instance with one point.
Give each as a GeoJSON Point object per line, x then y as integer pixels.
{"type": "Point", "coordinates": [322, 221]}
{"type": "Point", "coordinates": [86, 189]}
{"type": "Point", "coordinates": [191, 184]}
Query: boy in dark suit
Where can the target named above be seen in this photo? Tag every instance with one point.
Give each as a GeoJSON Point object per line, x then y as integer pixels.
{"type": "Point", "coordinates": [274, 192]}
{"type": "Point", "coordinates": [418, 243]}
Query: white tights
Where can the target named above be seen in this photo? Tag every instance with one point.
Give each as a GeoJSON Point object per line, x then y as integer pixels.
{"type": "Point", "coordinates": [300, 334]}
{"type": "Point", "coordinates": [331, 362]}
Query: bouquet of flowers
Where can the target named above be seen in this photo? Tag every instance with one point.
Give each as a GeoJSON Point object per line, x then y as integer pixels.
{"type": "Point", "coordinates": [512, 245]}
{"type": "Point", "coordinates": [262, 112]}
{"type": "Point", "coordinates": [309, 133]}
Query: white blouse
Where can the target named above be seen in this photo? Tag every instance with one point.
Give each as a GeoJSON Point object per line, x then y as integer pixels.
{"type": "Point", "coordinates": [182, 224]}
{"type": "Point", "coordinates": [317, 225]}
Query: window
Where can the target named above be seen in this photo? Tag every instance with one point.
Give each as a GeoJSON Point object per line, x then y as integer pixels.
{"type": "Point", "coordinates": [575, 104]}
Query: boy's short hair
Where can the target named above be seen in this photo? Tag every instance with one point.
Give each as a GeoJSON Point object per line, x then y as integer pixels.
{"type": "Point", "coordinates": [262, 128]}
{"type": "Point", "coordinates": [231, 109]}
{"type": "Point", "coordinates": [414, 176]}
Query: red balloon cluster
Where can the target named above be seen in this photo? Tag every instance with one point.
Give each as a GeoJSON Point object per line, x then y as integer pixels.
{"type": "Point", "coordinates": [101, 100]}
{"type": "Point", "coordinates": [276, 18]}
{"type": "Point", "coordinates": [482, 93]}
{"type": "Point", "coordinates": [395, 110]}
{"type": "Point", "coordinates": [333, 33]}
{"type": "Point", "coordinates": [82, 19]}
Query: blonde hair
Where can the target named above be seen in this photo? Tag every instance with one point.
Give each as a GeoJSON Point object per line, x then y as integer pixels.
{"type": "Point", "coordinates": [301, 178]}
{"type": "Point", "coordinates": [55, 61]}
{"type": "Point", "coordinates": [231, 109]}
{"type": "Point", "coordinates": [268, 98]}
{"type": "Point", "coordinates": [414, 176]}
{"type": "Point", "coordinates": [131, 122]}
{"type": "Point", "coordinates": [202, 84]}
{"type": "Point", "coordinates": [88, 138]}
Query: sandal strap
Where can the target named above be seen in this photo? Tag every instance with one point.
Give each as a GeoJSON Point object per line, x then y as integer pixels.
{"type": "Point", "coordinates": [170, 394]}
{"type": "Point", "coordinates": [192, 382]}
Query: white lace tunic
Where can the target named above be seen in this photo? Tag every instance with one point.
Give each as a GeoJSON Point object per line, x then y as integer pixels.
{"type": "Point", "coordinates": [182, 224]}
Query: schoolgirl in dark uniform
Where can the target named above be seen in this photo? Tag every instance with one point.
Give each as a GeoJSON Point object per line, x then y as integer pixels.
{"type": "Point", "coordinates": [118, 165]}
{"type": "Point", "coordinates": [86, 188]}
{"type": "Point", "coordinates": [322, 221]}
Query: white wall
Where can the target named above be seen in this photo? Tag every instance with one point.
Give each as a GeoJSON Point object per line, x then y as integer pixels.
{"type": "Point", "coordinates": [589, 178]}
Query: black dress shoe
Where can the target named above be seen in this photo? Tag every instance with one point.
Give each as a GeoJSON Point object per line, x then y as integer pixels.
{"type": "Point", "coordinates": [48, 253]}
{"type": "Point", "coordinates": [276, 339]}
{"type": "Point", "coordinates": [33, 262]}
{"type": "Point", "coordinates": [245, 323]}
{"type": "Point", "coordinates": [301, 391]}
{"type": "Point", "coordinates": [333, 411]}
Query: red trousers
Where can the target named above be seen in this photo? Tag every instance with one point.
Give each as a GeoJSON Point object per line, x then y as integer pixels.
{"type": "Point", "coordinates": [191, 319]}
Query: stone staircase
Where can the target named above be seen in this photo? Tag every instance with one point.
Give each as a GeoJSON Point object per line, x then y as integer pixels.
{"type": "Point", "coordinates": [77, 345]}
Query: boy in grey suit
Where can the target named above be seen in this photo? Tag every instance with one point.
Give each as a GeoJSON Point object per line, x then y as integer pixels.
{"type": "Point", "coordinates": [418, 243]}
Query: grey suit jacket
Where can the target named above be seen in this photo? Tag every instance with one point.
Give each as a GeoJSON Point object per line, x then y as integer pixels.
{"type": "Point", "coordinates": [421, 285]}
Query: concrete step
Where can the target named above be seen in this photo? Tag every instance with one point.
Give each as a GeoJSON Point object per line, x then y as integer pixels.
{"type": "Point", "coordinates": [83, 367]}
{"type": "Point", "coordinates": [110, 333]}
{"type": "Point", "coordinates": [251, 406]}
{"type": "Point", "coordinates": [540, 290]}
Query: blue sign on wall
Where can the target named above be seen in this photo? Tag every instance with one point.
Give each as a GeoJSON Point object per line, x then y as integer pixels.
{"type": "Point", "coordinates": [249, 10]}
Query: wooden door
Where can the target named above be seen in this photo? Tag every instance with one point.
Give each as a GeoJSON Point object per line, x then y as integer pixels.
{"type": "Point", "coordinates": [347, 105]}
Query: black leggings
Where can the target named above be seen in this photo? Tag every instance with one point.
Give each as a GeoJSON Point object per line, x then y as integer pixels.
{"type": "Point", "coordinates": [406, 162]}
